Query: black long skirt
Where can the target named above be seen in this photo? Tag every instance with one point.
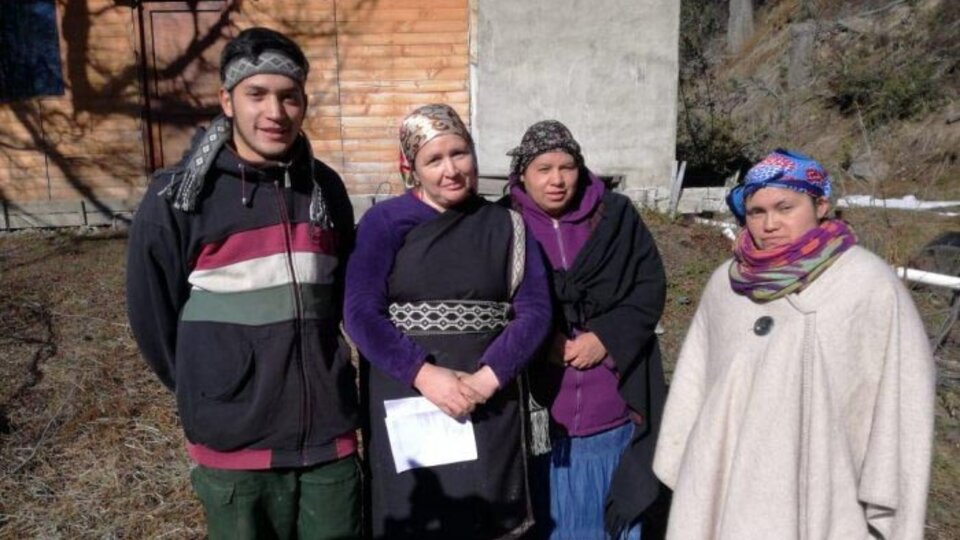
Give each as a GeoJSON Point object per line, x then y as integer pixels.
{"type": "Point", "coordinates": [482, 499]}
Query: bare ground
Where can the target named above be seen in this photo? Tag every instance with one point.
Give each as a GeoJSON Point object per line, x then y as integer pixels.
{"type": "Point", "coordinates": [90, 444]}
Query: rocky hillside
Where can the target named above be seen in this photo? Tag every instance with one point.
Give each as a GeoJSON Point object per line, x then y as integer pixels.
{"type": "Point", "coordinates": [868, 87]}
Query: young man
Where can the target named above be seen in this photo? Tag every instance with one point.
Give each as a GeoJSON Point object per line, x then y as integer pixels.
{"type": "Point", "coordinates": [234, 293]}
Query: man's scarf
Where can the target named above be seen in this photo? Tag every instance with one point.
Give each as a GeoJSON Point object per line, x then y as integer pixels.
{"type": "Point", "coordinates": [185, 186]}
{"type": "Point", "coordinates": [765, 275]}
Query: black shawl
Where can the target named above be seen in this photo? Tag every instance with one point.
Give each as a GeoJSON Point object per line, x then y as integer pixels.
{"type": "Point", "coordinates": [616, 288]}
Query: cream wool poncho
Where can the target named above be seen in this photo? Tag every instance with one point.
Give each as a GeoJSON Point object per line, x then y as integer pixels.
{"type": "Point", "coordinates": [820, 429]}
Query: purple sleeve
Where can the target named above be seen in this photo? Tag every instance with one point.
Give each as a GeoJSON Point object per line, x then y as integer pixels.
{"type": "Point", "coordinates": [509, 353]}
{"type": "Point", "coordinates": [365, 306]}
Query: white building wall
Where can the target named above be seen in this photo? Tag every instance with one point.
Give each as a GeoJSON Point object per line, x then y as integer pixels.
{"type": "Point", "coordinates": [606, 68]}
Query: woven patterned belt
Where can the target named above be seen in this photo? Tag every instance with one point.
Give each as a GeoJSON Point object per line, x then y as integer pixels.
{"type": "Point", "coordinates": [449, 316]}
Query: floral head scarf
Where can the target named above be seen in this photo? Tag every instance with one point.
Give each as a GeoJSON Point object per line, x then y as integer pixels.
{"type": "Point", "coordinates": [423, 125]}
{"type": "Point", "coordinates": [540, 138]}
{"type": "Point", "coordinates": [783, 169]}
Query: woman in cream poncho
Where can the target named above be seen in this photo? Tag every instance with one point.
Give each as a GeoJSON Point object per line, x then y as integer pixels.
{"type": "Point", "coordinates": [802, 402]}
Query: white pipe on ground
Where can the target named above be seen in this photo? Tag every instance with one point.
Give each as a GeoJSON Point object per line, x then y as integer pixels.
{"type": "Point", "coordinates": [928, 278]}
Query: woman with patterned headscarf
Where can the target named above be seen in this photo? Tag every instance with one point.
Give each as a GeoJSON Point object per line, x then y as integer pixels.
{"type": "Point", "coordinates": [600, 382]}
{"type": "Point", "coordinates": [802, 401]}
{"type": "Point", "coordinates": [448, 300]}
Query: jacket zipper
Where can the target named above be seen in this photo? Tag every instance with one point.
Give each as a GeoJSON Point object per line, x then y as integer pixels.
{"type": "Point", "coordinates": [579, 374]}
{"type": "Point", "coordinates": [297, 323]}
{"type": "Point", "coordinates": [563, 253]}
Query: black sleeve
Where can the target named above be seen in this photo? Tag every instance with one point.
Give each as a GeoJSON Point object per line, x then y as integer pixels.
{"type": "Point", "coordinates": [628, 329]}
{"type": "Point", "coordinates": [156, 284]}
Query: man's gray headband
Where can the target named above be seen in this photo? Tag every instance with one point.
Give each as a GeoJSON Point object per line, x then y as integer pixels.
{"type": "Point", "coordinates": [271, 62]}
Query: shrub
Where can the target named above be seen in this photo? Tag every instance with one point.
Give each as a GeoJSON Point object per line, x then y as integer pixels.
{"type": "Point", "coordinates": [884, 89]}
{"type": "Point", "coordinates": [709, 142]}
{"type": "Point", "coordinates": [707, 137]}
{"type": "Point", "coordinates": [942, 26]}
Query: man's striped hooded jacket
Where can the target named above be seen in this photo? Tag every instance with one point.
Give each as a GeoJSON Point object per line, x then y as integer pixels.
{"type": "Point", "coordinates": [237, 307]}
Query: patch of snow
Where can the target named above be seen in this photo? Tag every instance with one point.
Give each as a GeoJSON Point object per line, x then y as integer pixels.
{"type": "Point", "coordinates": [729, 229]}
{"type": "Point", "coordinates": [908, 202]}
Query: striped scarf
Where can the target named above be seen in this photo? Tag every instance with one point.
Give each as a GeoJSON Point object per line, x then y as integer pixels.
{"type": "Point", "coordinates": [183, 190]}
{"type": "Point", "coordinates": [768, 275]}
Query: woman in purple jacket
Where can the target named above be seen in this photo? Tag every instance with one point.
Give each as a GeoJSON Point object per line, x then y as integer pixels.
{"type": "Point", "coordinates": [446, 298]}
{"type": "Point", "coordinates": [601, 378]}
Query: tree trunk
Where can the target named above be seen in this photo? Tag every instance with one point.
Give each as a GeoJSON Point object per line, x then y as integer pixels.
{"type": "Point", "coordinates": [739, 24]}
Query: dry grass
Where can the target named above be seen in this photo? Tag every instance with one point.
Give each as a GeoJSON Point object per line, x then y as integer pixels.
{"type": "Point", "coordinates": [93, 446]}
{"type": "Point", "coordinates": [690, 254]}
{"type": "Point", "coordinates": [897, 235]}
{"type": "Point", "coordinates": [90, 444]}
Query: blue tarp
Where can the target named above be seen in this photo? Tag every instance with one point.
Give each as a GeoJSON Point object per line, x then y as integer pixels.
{"type": "Point", "coordinates": [29, 50]}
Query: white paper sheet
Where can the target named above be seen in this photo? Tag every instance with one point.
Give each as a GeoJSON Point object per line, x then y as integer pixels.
{"type": "Point", "coordinates": [421, 435]}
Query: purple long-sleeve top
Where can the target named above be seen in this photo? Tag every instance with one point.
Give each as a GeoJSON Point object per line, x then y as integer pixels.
{"type": "Point", "coordinates": [379, 237]}
{"type": "Point", "coordinates": [587, 401]}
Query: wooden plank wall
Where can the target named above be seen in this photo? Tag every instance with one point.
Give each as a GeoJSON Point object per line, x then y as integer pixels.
{"type": "Point", "coordinates": [393, 58]}
{"type": "Point", "coordinates": [86, 144]}
{"type": "Point", "coordinates": [372, 61]}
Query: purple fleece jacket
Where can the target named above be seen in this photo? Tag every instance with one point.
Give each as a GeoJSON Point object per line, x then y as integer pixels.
{"type": "Point", "coordinates": [380, 235]}
{"type": "Point", "coordinates": [588, 401]}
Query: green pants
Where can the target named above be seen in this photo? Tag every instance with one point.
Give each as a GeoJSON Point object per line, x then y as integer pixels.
{"type": "Point", "coordinates": [322, 502]}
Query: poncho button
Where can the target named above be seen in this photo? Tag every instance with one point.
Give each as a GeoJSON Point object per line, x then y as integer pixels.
{"type": "Point", "coordinates": [763, 325]}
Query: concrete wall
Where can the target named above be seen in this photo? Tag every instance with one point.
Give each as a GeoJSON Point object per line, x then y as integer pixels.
{"type": "Point", "coordinates": [605, 68]}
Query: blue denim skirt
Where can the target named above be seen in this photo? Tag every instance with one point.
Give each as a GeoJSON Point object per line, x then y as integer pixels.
{"type": "Point", "coordinates": [571, 482]}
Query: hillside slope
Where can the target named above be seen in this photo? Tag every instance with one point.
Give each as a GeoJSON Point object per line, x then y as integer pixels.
{"type": "Point", "coordinates": [869, 88]}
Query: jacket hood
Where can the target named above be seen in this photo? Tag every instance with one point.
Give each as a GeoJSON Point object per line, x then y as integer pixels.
{"type": "Point", "coordinates": [229, 163]}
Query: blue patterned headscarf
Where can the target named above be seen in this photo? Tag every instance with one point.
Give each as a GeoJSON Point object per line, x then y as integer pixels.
{"type": "Point", "coordinates": [783, 169]}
